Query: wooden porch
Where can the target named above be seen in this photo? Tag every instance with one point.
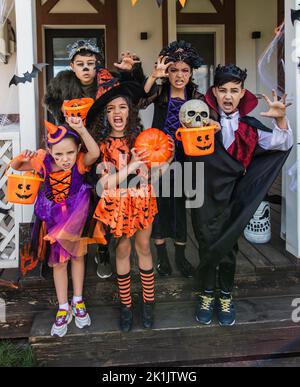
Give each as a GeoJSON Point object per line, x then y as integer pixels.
{"type": "Point", "coordinates": [267, 282]}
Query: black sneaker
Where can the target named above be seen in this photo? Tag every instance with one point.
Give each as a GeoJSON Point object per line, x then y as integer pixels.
{"type": "Point", "coordinates": [148, 315]}
{"type": "Point", "coordinates": [205, 309]}
{"type": "Point", "coordinates": [126, 317]}
{"type": "Point", "coordinates": [226, 310]}
{"type": "Point", "coordinates": [104, 269]}
{"type": "Point", "coordinates": [185, 268]}
{"type": "Point", "coordinates": [163, 266]}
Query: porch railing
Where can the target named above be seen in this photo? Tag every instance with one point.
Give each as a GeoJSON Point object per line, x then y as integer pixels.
{"type": "Point", "coordinates": [10, 215]}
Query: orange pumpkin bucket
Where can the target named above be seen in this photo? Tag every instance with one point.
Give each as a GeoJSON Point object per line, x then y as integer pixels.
{"type": "Point", "coordinates": [78, 107]}
{"type": "Point", "coordinates": [197, 141]}
{"type": "Point", "coordinates": [23, 189]}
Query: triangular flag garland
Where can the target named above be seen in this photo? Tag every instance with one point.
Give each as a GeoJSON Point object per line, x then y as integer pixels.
{"type": "Point", "coordinates": [159, 2]}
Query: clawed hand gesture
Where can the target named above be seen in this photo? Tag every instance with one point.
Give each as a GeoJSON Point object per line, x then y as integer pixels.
{"type": "Point", "coordinates": [127, 61]}
{"type": "Point", "coordinates": [277, 108]}
{"type": "Point", "coordinates": [161, 67]}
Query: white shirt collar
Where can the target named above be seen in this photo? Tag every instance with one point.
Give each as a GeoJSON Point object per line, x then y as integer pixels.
{"type": "Point", "coordinates": [229, 124]}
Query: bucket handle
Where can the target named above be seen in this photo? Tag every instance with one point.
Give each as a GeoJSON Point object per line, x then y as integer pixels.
{"type": "Point", "coordinates": [37, 159]}
{"type": "Point", "coordinates": [178, 135]}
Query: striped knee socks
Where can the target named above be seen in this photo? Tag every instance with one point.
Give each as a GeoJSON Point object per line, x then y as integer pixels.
{"type": "Point", "coordinates": [147, 278]}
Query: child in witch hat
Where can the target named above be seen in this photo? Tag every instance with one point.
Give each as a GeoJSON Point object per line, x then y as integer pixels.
{"type": "Point", "coordinates": [125, 211]}
{"type": "Point", "coordinates": [82, 81]}
{"type": "Point", "coordinates": [61, 211]}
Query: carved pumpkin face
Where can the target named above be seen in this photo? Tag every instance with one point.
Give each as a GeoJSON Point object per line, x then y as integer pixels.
{"type": "Point", "coordinates": [23, 189]}
{"type": "Point", "coordinates": [78, 107]}
{"type": "Point", "coordinates": [205, 142]}
{"type": "Point", "coordinates": [197, 142]}
{"type": "Point", "coordinates": [156, 143]}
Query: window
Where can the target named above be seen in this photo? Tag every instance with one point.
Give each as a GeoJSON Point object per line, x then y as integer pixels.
{"type": "Point", "coordinates": [58, 39]}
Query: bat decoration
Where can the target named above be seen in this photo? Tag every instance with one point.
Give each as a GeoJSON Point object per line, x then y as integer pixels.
{"type": "Point", "coordinates": [36, 68]}
{"type": "Point", "coordinates": [295, 15]}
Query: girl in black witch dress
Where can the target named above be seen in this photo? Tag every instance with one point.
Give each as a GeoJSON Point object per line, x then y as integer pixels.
{"type": "Point", "coordinates": [175, 66]}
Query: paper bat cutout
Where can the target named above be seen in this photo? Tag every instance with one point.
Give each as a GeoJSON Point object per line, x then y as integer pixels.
{"type": "Point", "coordinates": [28, 77]}
{"type": "Point", "coordinates": [295, 15]}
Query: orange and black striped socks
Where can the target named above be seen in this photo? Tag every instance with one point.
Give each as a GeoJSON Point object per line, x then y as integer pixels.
{"type": "Point", "coordinates": [124, 282]}
{"type": "Point", "coordinates": [147, 278]}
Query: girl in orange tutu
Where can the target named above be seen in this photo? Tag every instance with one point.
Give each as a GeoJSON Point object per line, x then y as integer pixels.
{"type": "Point", "coordinates": [124, 209]}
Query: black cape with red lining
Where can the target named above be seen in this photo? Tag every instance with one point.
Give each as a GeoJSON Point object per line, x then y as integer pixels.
{"type": "Point", "coordinates": [231, 194]}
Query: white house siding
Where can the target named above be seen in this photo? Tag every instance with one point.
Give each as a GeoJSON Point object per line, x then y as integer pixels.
{"type": "Point", "coordinates": [8, 97]}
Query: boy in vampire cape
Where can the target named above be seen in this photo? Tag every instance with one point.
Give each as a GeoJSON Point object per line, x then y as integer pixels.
{"type": "Point", "coordinates": [248, 157]}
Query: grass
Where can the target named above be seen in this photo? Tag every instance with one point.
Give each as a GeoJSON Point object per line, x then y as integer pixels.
{"type": "Point", "coordinates": [16, 354]}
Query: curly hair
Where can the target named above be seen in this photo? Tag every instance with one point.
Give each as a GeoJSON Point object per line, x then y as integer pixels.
{"type": "Point", "coordinates": [182, 51]}
{"type": "Point", "coordinates": [101, 128]}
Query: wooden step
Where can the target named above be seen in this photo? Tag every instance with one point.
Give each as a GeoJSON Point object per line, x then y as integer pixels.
{"type": "Point", "coordinates": [264, 329]}
{"type": "Point", "coordinates": [24, 304]}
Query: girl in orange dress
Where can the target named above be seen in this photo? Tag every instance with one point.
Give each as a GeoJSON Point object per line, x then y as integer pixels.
{"type": "Point", "coordinates": [126, 209]}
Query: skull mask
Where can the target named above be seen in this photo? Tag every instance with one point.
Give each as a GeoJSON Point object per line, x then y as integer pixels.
{"type": "Point", "coordinates": [194, 114]}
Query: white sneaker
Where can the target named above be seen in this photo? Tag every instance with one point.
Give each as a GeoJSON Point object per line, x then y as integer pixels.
{"type": "Point", "coordinates": [82, 318]}
{"type": "Point", "coordinates": [63, 319]}
{"type": "Point", "coordinates": [259, 230]}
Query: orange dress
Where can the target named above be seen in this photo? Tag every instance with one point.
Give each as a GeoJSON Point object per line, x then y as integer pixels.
{"type": "Point", "coordinates": [124, 210]}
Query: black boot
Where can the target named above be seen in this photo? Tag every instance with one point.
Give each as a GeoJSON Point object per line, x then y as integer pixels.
{"type": "Point", "coordinates": [183, 265]}
{"type": "Point", "coordinates": [163, 266]}
{"type": "Point", "coordinates": [148, 315]}
{"type": "Point", "coordinates": [102, 258]}
{"type": "Point", "coordinates": [126, 317]}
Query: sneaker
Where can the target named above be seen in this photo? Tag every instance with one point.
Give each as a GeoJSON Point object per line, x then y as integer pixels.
{"type": "Point", "coordinates": [126, 318]}
{"type": "Point", "coordinates": [63, 319]}
{"type": "Point", "coordinates": [104, 269]}
{"type": "Point", "coordinates": [226, 311]}
{"type": "Point", "coordinates": [82, 318]}
{"type": "Point", "coordinates": [147, 315]}
{"type": "Point", "coordinates": [205, 309]}
{"type": "Point", "coordinates": [258, 230]}
{"type": "Point", "coordinates": [185, 268]}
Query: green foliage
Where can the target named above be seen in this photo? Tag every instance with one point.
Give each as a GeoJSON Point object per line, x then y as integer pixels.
{"type": "Point", "coordinates": [14, 354]}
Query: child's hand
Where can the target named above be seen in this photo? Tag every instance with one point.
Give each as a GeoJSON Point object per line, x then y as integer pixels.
{"type": "Point", "coordinates": [160, 69]}
{"type": "Point", "coordinates": [171, 149]}
{"type": "Point", "coordinates": [138, 159]}
{"type": "Point", "coordinates": [27, 155]}
{"type": "Point", "coordinates": [216, 124]}
{"type": "Point", "coordinates": [127, 62]}
{"type": "Point", "coordinates": [277, 108]}
{"type": "Point", "coordinates": [76, 124]}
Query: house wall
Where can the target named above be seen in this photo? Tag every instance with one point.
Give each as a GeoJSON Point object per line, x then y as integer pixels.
{"type": "Point", "coordinates": [9, 96]}
{"type": "Point", "coordinates": [252, 16]}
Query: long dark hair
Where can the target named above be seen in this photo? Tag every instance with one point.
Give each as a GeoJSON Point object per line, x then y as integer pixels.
{"type": "Point", "coordinates": [191, 90]}
{"type": "Point", "coordinates": [101, 128]}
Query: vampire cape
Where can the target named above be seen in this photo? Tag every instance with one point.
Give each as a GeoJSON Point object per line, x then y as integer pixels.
{"type": "Point", "coordinates": [231, 193]}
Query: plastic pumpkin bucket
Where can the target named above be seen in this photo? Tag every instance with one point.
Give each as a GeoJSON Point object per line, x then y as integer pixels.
{"type": "Point", "coordinates": [197, 141]}
{"type": "Point", "coordinates": [156, 143]}
{"type": "Point", "coordinates": [23, 189]}
{"type": "Point", "coordinates": [78, 107]}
